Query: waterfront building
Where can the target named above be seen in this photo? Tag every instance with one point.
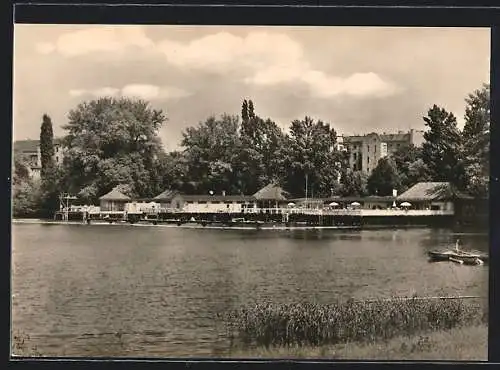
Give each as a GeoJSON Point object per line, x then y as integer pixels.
{"type": "Point", "coordinates": [216, 203]}
{"type": "Point", "coordinates": [271, 196]}
{"type": "Point", "coordinates": [169, 199]}
{"type": "Point", "coordinates": [113, 201]}
{"type": "Point", "coordinates": [366, 150]}
{"type": "Point", "coordinates": [433, 196]}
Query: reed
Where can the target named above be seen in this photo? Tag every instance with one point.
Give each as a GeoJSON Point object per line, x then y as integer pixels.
{"type": "Point", "coordinates": [310, 324]}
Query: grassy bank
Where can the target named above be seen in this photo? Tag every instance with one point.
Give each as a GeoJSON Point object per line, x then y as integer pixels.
{"type": "Point", "coordinates": [458, 344]}
{"type": "Point", "coordinates": [408, 328]}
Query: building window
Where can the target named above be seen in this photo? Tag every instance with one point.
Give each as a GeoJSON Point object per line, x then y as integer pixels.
{"type": "Point", "coordinates": [368, 146]}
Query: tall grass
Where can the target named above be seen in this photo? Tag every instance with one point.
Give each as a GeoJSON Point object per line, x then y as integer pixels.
{"type": "Point", "coordinates": [309, 324]}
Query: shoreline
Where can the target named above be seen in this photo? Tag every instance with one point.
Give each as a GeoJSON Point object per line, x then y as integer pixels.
{"type": "Point", "coordinates": [278, 227]}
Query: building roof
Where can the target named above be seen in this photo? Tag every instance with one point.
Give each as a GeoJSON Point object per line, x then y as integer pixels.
{"type": "Point", "coordinates": [271, 192]}
{"type": "Point", "coordinates": [114, 195]}
{"type": "Point", "coordinates": [429, 191]}
{"type": "Point", "coordinates": [385, 137]}
{"type": "Point", "coordinates": [166, 195]}
{"type": "Point", "coordinates": [395, 137]}
{"type": "Point", "coordinates": [218, 198]}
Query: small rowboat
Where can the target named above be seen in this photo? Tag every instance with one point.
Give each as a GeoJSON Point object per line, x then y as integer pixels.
{"type": "Point", "coordinates": [459, 256]}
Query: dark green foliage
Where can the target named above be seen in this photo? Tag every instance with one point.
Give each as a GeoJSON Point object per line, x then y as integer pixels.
{"type": "Point", "coordinates": [110, 142]}
{"type": "Point", "coordinates": [410, 166]}
{"type": "Point", "coordinates": [476, 138]}
{"type": "Point", "coordinates": [442, 149]}
{"type": "Point", "coordinates": [210, 154]}
{"type": "Point", "coordinates": [384, 178]}
{"type": "Point", "coordinates": [353, 183]}
{"type": "Point", "coordinates": [309, 154]}
{"type": "Point", "coordinates": [308, 324]}
{"type": "Point", "coordinates": [46, 146]}
{"type": "Point", "coordinates": [20, 171]}
{"type": "Point", "coordinates": [26, 199]}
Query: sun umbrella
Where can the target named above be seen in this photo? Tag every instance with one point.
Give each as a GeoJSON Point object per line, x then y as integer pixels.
{"type": "Point", "coordinates": [405, 204]}
{"type": "Point", "coordinates": [355, 204]}
{"type": "Point", "coordinates": [291, 204]}
{"type": "Point", "coordinates": [333, 204]}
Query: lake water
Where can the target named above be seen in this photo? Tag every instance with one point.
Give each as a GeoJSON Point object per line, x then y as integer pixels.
{"type": "Point", "coordinates": [114, 290]}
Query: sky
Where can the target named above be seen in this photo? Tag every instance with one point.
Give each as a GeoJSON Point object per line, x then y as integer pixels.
{"type": "Point", "coordinates": [358, 79]}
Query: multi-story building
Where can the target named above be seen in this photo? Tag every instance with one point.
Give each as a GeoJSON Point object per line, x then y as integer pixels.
{"type": "Point", "coordinates": [33, 156]}
{"type": "Point", "coordinates": [366, 150]}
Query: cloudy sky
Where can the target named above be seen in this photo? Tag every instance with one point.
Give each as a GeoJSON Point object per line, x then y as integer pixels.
{"type": "Point", "coordinates": [358, 79]}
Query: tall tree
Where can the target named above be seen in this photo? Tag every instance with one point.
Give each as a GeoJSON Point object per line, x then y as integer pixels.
{"type": "Point", "coordinates": [251, 110]}
{"type": "Point", "coordinates": [46, 146]}
{"type": "Point", "coordinates": [244, 111]}
{"type": "Point", "coordinates": [112, 141]}
{"type": "Point", "coordinates": [257, 159]}
{"type": "Point", "coordinates": [476, 139]}
{"type": "Point", "coordinates": [310, 158]}
{"type": "Point", "coordinates": [410, 166]}
{"type": "Point", "coordinates": [211, 150]}
{"type": "Point", "coordinates": [384, 178]}
{"type": "Point", "coordinates": [442, 148]}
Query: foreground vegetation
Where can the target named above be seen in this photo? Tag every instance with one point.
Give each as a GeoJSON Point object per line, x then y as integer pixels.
{"type": "Point", "coordinates": [302, 326]}
{"type": "Point", "coordinates": [468, 343]}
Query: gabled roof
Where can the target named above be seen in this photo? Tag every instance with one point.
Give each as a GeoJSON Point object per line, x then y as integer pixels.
{"type": "Point", "coordinates": [271, 192]}
{"type": "Point", "coordinates": [114, 195]}
{"type": "Point", "coordinates": [166, 195]}
{"type": "Point", "coordinates": [429, 191]}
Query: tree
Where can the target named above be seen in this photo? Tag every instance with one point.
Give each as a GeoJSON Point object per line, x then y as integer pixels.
{"type": "Point", "coordinates": [310, 159]}
{"type": "Point", "coordinates": [442, 148]}
{"type": "Point", "coordinates": [353, 183]}
{"type": "Point", "coordinates": [384, 178]}
{"type": "Point", "coordinates": [46, 146]}
{"type": "Point", "coordinates": [112, 141]}
{"type": "Point", "coordinates": [20, 171]}
{"type": "Point", "coordinates": [26, 199]}
{"type": "Point", "coordinates": [257, 162]}
{"type": "Point", "coordinates": [476, 137]}
{"type": "Point", "coordinates": [244, 111]}
{"type": "Point", "coordinates": [210, 151]}
{"type": "Point", "coordinates": [410, 166]}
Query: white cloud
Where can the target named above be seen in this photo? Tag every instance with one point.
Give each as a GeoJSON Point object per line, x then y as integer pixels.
{"type": "Point", "coordinates": [223, 50]}
{"type": "Point", "coordinates": [143, 91]}
{"type": "Point", "coordinates": [97, 39]}
{"type": "Point", "coordinates": [269, 59]}
{"type": "Point", "coordinates": [260, 58]}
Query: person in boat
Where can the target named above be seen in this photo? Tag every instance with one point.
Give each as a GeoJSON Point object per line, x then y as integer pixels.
{"type": "Point", "coordinates": [456, 245]}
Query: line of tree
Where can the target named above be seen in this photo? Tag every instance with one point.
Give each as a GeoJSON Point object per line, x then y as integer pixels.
{"type": "Point", "coordinates": [112, 142]}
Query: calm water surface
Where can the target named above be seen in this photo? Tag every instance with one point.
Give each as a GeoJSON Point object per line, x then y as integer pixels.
{"type": "Point", "coordinates": [106, 290]}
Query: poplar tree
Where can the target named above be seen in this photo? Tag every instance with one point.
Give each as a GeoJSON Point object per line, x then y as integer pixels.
{"type": "Point", "coordinates": [46, 146]}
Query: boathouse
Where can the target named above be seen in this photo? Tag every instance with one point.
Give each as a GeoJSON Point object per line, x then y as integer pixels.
{"type": "Point", "coordinates": [433, 196]}
{"type": "Point", "coordinates": [113, 201]}
{"type": "Point", "coordinates": [214, 203]}
{"type": "Point", "coordinates": [271, 196]}
{"type": "Point", "coordinates": [169, 199]}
